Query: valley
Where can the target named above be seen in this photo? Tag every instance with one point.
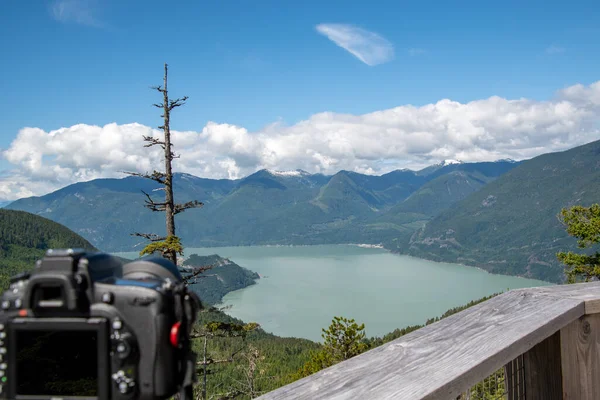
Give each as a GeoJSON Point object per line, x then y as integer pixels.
{"type": "Point", "coordinates": [499, 216]}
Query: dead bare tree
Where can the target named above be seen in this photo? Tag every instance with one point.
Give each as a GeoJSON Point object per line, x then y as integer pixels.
{"type": "Point", "coordinates": [170, 244]}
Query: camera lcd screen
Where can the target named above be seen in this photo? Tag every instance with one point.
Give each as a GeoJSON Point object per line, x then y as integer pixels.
{"type": "Point", "coordinates": [57, 362]}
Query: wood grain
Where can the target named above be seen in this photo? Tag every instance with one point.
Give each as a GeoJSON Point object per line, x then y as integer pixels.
{"type": "Point", "coordinates": [444, 359]}
{"type": "Point", "coordinates": [592, 306]}
{"type": "Point", "coordinates": [543, 375]}
{"type": "Point", "coordinates": [580, 351]}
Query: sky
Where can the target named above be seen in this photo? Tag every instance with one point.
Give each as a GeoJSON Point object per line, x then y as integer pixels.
{"type": "Point", "coordinates": [316, 85]}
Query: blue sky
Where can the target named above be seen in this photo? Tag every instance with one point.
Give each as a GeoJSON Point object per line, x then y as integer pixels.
{"type": "Point", "coordinates": [251, 64]}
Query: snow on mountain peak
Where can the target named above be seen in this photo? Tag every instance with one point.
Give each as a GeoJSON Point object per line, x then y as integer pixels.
{"type": "Point", "coordinates": [448, 162]}
{"type": "Point", "coordinates": [297, 172]}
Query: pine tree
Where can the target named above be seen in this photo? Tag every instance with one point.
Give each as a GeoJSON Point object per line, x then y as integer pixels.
{"type": "Point", "coordinates": [170, 244]}
{"type": "Point", "coordinates": [582, 223]}
{"type": "Point", "coordinates": [343, 340]}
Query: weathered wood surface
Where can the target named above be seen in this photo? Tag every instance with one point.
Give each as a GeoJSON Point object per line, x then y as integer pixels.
{"type": "Point", "coordinates": [444, 359]}
{"type": "Point", "coordinates": [543, 378]}
{"type": "Point", "coordinates": [580, 343]}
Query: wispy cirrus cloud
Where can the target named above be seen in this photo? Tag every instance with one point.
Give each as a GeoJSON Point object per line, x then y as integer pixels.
{"type": "Point", "coordinates": [555, 49]}
{"type": "Point", "coordinates": [81, 12]}
{"type": "Point", "coordinates": [368, 47]}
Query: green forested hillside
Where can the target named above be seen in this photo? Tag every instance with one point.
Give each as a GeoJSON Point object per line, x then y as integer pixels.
{"type": "Point", "coordinates": [267, 207]}
{"type": "Point", "coordinates": [25, 237]}
{"type": "Point", "coordinates": [510, 226]}
{"type": "Point", "coordinates": [225, 276]}
{"type": "Point", "coordinates": [440, 193]}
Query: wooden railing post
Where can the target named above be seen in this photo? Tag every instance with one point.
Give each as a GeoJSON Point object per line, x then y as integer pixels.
{"type": "Point", "coordinates": [580, 353]}
{"type": "Point", "coordinates": [542, 370]}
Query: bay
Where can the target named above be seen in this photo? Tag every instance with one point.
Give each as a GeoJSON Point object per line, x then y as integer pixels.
{"type": "Point", "coordinates": [303, 287]}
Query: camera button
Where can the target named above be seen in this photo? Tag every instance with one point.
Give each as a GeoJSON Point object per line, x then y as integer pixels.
{"type": "Point", "coordinates": [117, 324]}
{"type": "Point", "coordinates": [1, 327]}
{"type": "Point", "coordinates": [107, 297]}
{"type": "Point", "coordinates": [123, 388]}
{"type": "Point", "coordinates": [3, 366]}
{"type": "Point", "coordinates": [18, 303]}
{"type": "Point", "coordinates": [2, 335]}
{"type": "Point", "coordinates": [6, 304]}
{"type": "Point", "coordinates": [2, 351]}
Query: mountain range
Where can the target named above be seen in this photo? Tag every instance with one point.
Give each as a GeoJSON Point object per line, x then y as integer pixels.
{"type": "Point", "coordinates": [510, 226]}
{"type": "Point", "coordinates": [500, 216]}
{"type": "Point", "coordinates": [267, 207]}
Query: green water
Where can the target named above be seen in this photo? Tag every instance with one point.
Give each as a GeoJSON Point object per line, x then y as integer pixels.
{"type": "Point", "coordinates": [304, 287]}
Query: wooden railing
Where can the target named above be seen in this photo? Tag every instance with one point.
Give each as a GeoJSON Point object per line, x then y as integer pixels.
{"type": "Point", "coordinates": [553, 330]}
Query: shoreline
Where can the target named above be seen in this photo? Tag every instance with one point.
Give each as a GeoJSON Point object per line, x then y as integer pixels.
{"type": "Point", "coordinates": [364, 246]}
{"type": "Point", "coordinates": [468, 266]}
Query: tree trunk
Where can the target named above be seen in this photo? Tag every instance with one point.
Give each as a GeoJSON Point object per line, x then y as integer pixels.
{"type": "Point", "coordinates": [169, 202]}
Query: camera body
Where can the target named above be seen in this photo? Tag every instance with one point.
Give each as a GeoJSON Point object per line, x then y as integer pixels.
{"type": "Point", "coordinates": [86, 326]}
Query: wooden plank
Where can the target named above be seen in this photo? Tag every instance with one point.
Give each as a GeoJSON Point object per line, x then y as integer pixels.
{"type": "Point", "coordinates": [592, 306]}
{"type": "Point", "coordinates": [543, 375]}
{"type": "Point", "coordinates": [443, 359]}
{"type": "Point", "coordinates": [580, 291]}
{"type": "Point", "coordinates": [580, 351]}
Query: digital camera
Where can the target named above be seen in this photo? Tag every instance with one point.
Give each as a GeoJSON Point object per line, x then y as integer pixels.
{"type": "Point", "coordinates": [86, 326]}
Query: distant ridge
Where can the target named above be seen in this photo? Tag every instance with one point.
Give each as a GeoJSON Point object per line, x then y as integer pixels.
{"type": "Point", "coordinates": [266, 207]}
{"type": "Point", "coordinates": [510, 225]}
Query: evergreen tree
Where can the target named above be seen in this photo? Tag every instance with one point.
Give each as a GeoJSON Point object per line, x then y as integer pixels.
{"type": "Point", "coordinates": [582, 223]}
{"type": "Point", "coordinates": [170, 244]}
{"type": "Point", "coordinates": [343, 340]}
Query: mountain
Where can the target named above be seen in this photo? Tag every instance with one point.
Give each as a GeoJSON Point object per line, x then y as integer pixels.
{"type": "Point", "coordinates": [267, 207]}
{"type": "Point", "coordinates": [444, 190]}
{"type": "Point", "coordinates": [510, 225]}
{"type": "Point", "coordinates": [4, 203]}
{"type": "Point", "coordinates": [436, 167]}
{"type": "Point", "coordinates": [225, 276]}
{"type": "Point", "coordinates": [24, 239]}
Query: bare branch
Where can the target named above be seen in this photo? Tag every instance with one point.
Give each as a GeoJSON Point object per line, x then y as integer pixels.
{"type": "Point", "coordinates": [157, 105]}
{"type": "Point", "coordinates": [211, 361]}
{"type": "Point", "coordinates": [155, 176]}
{"type": "Point", "coordinates": [159, 88]}
{"type": "Point", "coordinates": [153, 237]}
{"type": "Point", "coordinates": [153, 141]}
{"type": "Point", "coordinates": [190, 204]}
{"type": "Point", "coordinates": [177, 103]}
{"type": "Point", "coordinates": [194, 275]}
{"type": "Point", "coordinates": [152, 205]}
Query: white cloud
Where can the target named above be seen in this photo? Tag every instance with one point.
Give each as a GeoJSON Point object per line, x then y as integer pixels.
{"type": "Point", "coordinates": [378, 142]}
{"type": "Point", "coordinates": [555, 49]}
{"type": "Point", "coordinates": [78, 11]}
{"type": "Point", "coordinates": [368, 47]}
